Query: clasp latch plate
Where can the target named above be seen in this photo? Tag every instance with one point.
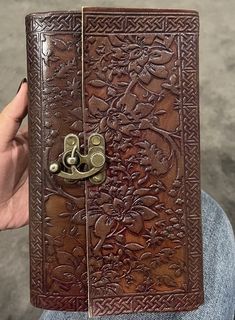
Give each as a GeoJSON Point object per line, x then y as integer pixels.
{"type": "Point", "coordinates": [77, 166]}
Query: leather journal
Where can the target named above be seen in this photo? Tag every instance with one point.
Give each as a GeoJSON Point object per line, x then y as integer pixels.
{"type": "Point", "coordinates": [115, 222]}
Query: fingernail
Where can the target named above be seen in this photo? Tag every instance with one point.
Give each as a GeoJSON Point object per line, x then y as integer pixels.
{"type": "Point", "coordinates": [22, 81]}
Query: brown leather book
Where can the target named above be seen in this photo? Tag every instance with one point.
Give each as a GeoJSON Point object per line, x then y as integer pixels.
{"type": "Point", "coordinates": [115, 222]}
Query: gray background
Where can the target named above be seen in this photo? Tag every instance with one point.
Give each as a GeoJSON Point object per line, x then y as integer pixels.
{"type": "Point", "coordinates": [217, 89]}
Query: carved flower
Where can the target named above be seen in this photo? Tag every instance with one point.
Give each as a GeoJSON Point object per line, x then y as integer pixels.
{"type": "Point", "coordinates": [116, 124]}
{"type": "Point", "coordinates": [113, 123]}
{"type": "Point", "coordinates": [153, 158]}
{"type": "Point", "coordinates": [154, 237]}
{"type": "Point", "coordinates": [126, 207]}
{"type": "Point", "coordinates": [146, 56]}
{"type": "Point", "coordinates": [147, 62]}
{"type": "Point", "coordinates": [179, 268]}
{"type": "Point", "coordinates": [105, 282]}
{"type": "Point", "coordinates": [129, 279]}
{"type": "Point", "coordinates": [69, 270]}
{"type": "Point", "coordinates": [146, 286]}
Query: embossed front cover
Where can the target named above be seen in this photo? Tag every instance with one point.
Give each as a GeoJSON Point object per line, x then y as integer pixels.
{"type": "Point", "coordinates": [138, 87]}
{"type": "Point", "coordinates": [141, 93]}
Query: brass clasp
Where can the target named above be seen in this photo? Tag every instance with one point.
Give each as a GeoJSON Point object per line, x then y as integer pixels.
{"type": "Point", "coordinates": [72, 160]}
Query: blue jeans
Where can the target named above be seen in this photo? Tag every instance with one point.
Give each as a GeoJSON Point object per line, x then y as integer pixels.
{"type": "Point", "coordinates": [219, 275]}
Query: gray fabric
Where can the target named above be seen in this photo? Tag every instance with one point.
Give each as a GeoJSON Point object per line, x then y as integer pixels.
{"type": "Point", "coordinates": [219, 274]}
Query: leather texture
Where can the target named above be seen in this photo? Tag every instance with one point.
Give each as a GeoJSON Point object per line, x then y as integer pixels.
{"type": "Point", "coordinates": [132, 243]}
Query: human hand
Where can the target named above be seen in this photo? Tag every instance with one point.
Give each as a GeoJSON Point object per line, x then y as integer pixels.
{"type": "Point", "coordinates": [14, 209]}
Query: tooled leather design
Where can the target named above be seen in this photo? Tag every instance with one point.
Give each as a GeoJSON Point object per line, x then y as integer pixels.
{"type": "Point", "coordinates": [136, 217]}
{"type": "Point", "coordinates": [141, 94]}
{"type": "Point", "coordinates": [63, 279]}
{"type": "Point", "coordinates": [64, 228]}
{"type": "Point", "coordinates": [144, 234]}
{"type": "Point", "coordinates": [162, 21]}
{"type": "Point", "coordinates": [35, 164]}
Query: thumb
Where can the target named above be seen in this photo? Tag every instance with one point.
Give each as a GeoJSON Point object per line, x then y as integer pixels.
{"type": "Point", "coordinates": [12, 116]}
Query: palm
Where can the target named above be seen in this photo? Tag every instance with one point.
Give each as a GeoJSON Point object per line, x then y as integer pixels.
{"type": "Point", "coordinates": [14, 183]}
{"type": "Point", "coordinates": [14, 164]}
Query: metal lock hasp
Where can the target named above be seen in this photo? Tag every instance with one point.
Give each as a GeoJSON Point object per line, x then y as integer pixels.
{"type": "Point", "coordinates": [76, 166]}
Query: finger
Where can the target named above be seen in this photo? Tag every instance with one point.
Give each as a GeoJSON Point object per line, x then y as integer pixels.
{"type": "Point", "coordinates": [12, 116]}
{"type": "Point", "coordinates": [23, 132]}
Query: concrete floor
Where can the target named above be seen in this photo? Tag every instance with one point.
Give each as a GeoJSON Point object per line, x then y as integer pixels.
{"type": "Point", "coordinates": [217, 81]}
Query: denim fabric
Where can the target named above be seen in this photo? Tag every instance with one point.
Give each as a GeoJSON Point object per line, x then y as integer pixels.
{"type": "Point", "coordinates": [219, 274]}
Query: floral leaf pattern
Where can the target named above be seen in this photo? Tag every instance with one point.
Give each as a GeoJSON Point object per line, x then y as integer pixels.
{"type": "Point", "coordinates": [130, 92]}
{"type": "Point", "coordinates": [65, 266]}
{"type": "Point", "coordinates": [143, 73]}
